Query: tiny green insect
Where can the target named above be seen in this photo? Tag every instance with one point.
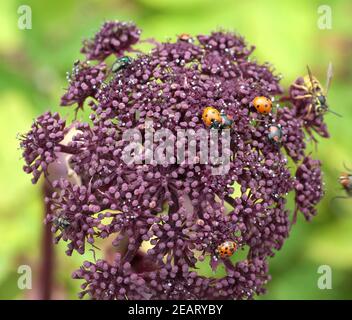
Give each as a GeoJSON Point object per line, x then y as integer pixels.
{"type": "Point", "coordinates": [121, 63]}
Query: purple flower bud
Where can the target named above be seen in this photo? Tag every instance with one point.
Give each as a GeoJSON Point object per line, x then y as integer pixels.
{"type": "Point", "coordinates": [114, 37]}
{"type": "Point", "coordinates": [309, 187]}
{"type": "Point", "coordinates": [84, 81]}
{"type": "Point", "coordinates": [42, 143]}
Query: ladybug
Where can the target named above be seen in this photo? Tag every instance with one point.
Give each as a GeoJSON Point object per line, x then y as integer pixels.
{"type": "Point", "coordinates": [226, 249]}
{"type": "Point", "coordinates": [211, 117]}
{"type": "Point", "coordinates": [214, 119]}
{"type": "Point", "coordinates": [185, 37]}
{"type": "Point", "coordinates": [275, 133]}
{"type": "Point", "coordinates": [262, 104]}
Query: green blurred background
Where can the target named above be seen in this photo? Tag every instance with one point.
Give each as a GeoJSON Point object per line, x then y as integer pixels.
{"type": "Point", "coordinates": [32, 77]}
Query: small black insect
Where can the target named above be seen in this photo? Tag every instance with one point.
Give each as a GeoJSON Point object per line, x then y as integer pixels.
{"type": "Point", "coordinates": [61, 222]}
{"type": "Point", "coordinates": [275, 134]}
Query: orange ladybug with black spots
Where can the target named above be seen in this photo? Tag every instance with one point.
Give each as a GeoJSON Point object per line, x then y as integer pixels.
{"type": "Point", "coordinates": [262, 104]}
{"type": "Point", "coordinates": [211, 115]}
{"type": "Point", "coordinates": [226, 249]}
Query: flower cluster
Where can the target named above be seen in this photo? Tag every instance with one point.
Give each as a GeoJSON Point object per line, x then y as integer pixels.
{"type": "Point", "coordinates": [167, 220]}
{"type": "Point", "coordinates": [308, 187]}
{"type": "Point", "coordinates": [75, 205]}
{"type": "Point", "coordinates": [42, 143]}
{"type": "Point", "coordinates": [84, 81]}
{"type": "Point", "coordinates": [113, 38]}
{"type": "Point", "coordinates": [116, 281]}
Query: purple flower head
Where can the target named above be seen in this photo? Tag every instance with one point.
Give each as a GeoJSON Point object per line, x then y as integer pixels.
{"type": "Point", "coordinates": [233, 45]}
{"type": "Point", "coordinates": [76, 206]}
{"type": "Point", "coordinates": [244, 280]}
{"type": "Point", "coordinates": [309, 187]}
{"type": "Point", "coordinates": [165, 217]}
{"type": "Point", "coordinates": [42, 143]}
{"type": "Point", "coordinates": [114, 37]}
{"type": "Point", "coordinates": [293, 135]}
{"type": "Point", "coordinates": [108, 282]}
{"type": "Point", "coordinates": [84, 81]}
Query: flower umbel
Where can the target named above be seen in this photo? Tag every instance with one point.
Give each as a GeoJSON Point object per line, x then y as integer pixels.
{"type": "Point", "coordinates": [165, 221]}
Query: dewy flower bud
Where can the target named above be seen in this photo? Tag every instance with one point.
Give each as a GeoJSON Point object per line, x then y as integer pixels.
{"type": "Point", "coordinates": [84, 81]}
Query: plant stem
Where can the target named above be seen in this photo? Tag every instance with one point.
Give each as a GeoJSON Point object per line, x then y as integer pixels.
{"type": "Point", "coordinates": [46, 269]}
